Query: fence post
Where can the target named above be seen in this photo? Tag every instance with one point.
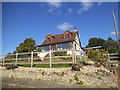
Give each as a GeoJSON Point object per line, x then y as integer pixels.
{"type": "Point", "coordinates": [16, 58]}
{"type": "Point", "coordinates": [108, 57]}
{"type": "Point", "coordinates": [75, 55]}
{"type": "Point", "coordinates": [80, 56]}
{"type": "Point", "coordinates": [72, 56]}
{"type": "Point", "coordinates": [50, 58]}
{"type": "Point", "coordinates": [3, 61]}
{"type": "Point", "coordinates": [31, 59]}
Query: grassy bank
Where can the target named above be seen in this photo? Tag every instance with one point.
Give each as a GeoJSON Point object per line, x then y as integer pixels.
{"type": "Point", "coordinates": [47, 65]}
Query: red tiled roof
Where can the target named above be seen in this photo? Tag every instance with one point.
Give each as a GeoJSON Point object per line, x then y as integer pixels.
{"type": "Point", "coordinates": [59, 38]}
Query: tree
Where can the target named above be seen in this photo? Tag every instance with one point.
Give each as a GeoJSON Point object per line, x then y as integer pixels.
{"type": "Point", "coordinates": [38, 49]}
{"type": "Point", "coordinates": [27, 46]}
{"type": "Point", "coordinates": [111, 46]}
{"type": "Point", "coordinates": [93, 42]}
{"type": "Point", "coordinates": [110, 39]}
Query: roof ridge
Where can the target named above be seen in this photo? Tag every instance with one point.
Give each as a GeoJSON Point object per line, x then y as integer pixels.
{"type": "Point", "coordinates": [63, 33]}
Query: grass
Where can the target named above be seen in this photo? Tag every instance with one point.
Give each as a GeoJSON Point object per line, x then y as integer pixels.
{"type": "Point", "coordinates": [26, 61]}
{"type": "Point", "coordinates": [55, 61]}
{"type": "Point", "coordinates": [83, 63]}
{"type": "Point", "coordinates": [47, 65]}
{"type": "Point", "coordinates": [43, 65]}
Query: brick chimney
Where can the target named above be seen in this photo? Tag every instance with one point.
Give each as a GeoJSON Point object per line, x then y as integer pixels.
{"type": "Point", "coordinates": [75, 29]}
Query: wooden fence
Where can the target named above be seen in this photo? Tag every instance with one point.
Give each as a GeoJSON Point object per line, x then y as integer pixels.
{"type": "Point", "coordinates": [32, 59]}
{"type": "Point", "coordinates": [112, 59]}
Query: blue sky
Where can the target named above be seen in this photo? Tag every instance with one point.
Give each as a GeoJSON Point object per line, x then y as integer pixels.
{"type": "Point", "coordinates": [35, 20]}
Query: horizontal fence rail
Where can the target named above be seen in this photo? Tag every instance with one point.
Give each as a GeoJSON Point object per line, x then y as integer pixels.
{"type": "Point", "coordinates": [31, 59]}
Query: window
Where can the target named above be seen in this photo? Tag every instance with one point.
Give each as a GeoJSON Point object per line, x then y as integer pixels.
{"type": "Point", "coordinates": [49, 39]}
{"type": "Point", "coordinates": [44, 48]}
{"type": "Point", "coordinates": [53, 47]}
{"type": "Point", "coordinates": [67, 36]}
{"type": "Point", "coordinates": [63, 46]}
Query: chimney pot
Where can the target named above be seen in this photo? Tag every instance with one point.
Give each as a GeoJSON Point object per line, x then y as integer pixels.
{"type": "Point", "coordinates": [75, 29]}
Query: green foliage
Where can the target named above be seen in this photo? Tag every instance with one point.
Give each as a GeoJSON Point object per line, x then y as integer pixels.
{"type": "Point", "coordinates": [70, 80]}
{"type": "Point", "coordinates": [110, 39]}
{"type": "Point", "coordinates": [38, 49]}
{"type": "Point", "coordinates": [95, 42]}
{"type": "Point", "coordinates": [46, 65]}
{"type": "Point", "coordinates": [10, 56]}
{"type": "Point", "coordinates": [97, 55]}
{"type": "Point", "coordinates": [62, 74]}
{"type": "Point", "coordinates": [81, 84]}
{"type": "Point", "coordinates": [60, 53]}
{"type": "Point", "coordinates": [83, 63]}
{"type": "Point", "coordinates": [27, 46]}
{"type": "Point", "coordinates": [111, 46]}
{"type": "Point", "coordinates": [43, 73]}
{"type": "Point", "coordinates": [76, 78]}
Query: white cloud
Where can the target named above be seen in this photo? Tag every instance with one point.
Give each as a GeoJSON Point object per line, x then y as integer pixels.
{"type": "Point", "coordinates": [112, 33]}
{"type": "Point", "coordinates": [99, 3]}
{"type": "Point", "coordinates": [64, 26]}
{"type": "Point", "coordinates": [50, 10]}
{"type": "Point", "coordinates": [55, 4]}
{"type": "Point", "coordinates": [70, 10]}
{"type": "Point", "coordinates": [86, 5]}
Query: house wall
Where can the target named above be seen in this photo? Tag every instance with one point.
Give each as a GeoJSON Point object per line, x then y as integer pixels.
{"type": "Point", "coordinates": [77, 46]}
{"type": "Point", "coordinates": [77, 42]}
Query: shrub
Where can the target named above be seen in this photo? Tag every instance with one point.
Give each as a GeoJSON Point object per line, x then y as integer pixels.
{"type": "Point", "coordinates": [60, 53]}
{"type": "Point", "coordinates": [96, 55]}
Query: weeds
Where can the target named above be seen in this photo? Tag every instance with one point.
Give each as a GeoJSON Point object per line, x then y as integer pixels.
{"type": "Point", "coordinates": [80, 83]}
{"type": "Point", "coordinates": [43, 73]}
{"type": "Point", "coordinates": [70, 80]}
{"type": "Point", "coordinates": [62, 74]}
{"type": "Point", "coordinates": [76, 78]}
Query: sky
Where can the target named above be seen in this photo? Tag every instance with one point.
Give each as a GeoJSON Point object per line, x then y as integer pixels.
{"type": "Point", "coordinates": [21, 20]}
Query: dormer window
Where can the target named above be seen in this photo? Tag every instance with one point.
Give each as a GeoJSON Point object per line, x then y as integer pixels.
{"type": "Point", "coordinates": [49, 39]}
{"type": "Point", "coordinates": [67, 35]}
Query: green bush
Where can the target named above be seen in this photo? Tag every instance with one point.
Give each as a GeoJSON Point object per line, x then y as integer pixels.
{"type": "Point", "coordinates": [96, 55]}
{"type": "Point", "coordinates": [60, 53]}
